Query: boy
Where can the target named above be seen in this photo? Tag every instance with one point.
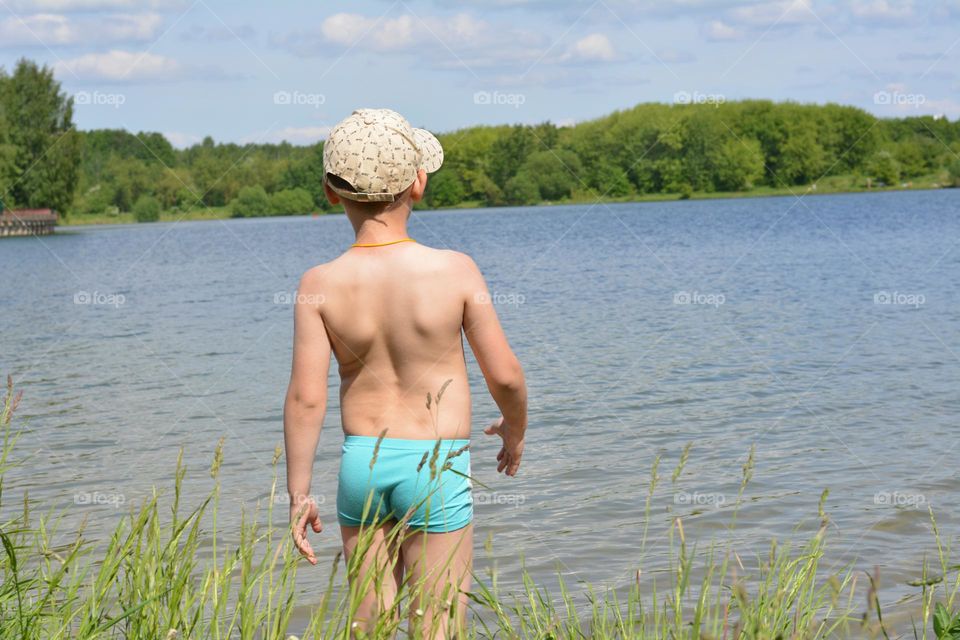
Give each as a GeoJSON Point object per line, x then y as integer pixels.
{"type": "Point", "coordinates": [393, 313]}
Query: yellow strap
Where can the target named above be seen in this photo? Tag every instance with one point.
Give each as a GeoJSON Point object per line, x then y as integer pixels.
{"type": "Point", "coordinates": [381, 244]}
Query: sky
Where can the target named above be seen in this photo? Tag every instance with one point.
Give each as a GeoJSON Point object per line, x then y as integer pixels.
{"type": "Point", "coordinates": [269, 71]}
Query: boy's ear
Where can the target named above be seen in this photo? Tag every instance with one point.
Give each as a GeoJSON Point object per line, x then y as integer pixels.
{"type": "Point", "coordinates": [332, 197]}
{"type": "Point", "coordinates": [419, 186]}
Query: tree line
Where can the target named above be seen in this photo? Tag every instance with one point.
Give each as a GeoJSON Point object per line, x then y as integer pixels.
{"type": "Point", "coordinates": [652, 148]}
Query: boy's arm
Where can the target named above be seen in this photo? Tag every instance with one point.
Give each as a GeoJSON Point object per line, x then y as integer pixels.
{"type": "Point", "coordinates": [500, 367]}
{"type": "Point", "coordinates": [305, 405]}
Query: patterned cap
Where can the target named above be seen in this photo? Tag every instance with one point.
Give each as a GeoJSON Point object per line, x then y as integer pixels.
{"type": "Point", "coordinates": [379, 154]}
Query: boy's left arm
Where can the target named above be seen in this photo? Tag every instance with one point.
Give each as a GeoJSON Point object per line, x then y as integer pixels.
{"type": "Point", "coordinates": [304, 408]}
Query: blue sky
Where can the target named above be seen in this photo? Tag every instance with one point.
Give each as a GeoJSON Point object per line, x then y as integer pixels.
{"type": "Point", "coordinates": [256, 71]}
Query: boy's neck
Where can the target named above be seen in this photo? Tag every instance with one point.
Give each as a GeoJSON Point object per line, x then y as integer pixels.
{"type": "Point", "coordinates": [386, 227]}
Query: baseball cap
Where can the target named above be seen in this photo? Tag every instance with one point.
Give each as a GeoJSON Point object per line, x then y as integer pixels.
{"type": "Point", "coordinates": [378, 153]}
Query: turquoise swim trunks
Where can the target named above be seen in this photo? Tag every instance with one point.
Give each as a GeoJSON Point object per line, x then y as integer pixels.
{"type": "Point", "coordinates": [400, 482]}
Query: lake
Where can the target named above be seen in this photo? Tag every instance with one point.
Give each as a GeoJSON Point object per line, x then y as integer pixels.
{"type": "Point", "coordinates": [823, 331]}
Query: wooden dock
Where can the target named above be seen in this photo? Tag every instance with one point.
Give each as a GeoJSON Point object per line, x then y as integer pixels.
{"type": "Point", "coordinates": [27, 222]}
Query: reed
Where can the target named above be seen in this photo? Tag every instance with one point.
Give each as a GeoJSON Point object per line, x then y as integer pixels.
{"type": "Point", "coordinates": [167, 572]}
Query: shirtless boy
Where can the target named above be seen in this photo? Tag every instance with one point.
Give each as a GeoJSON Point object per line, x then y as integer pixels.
{"type": "Point", "coordinates": [393, 312]}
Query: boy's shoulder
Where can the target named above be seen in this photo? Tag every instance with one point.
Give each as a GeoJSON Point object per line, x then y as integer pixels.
{"type": "Point", "coordinates": [449, 257]}
{"type": "Point", "coordinates": [314, 277]}
{"type": "Point", "coordinates": [460, 265]}
{"type": "Point", "coordinates": [456, 261]}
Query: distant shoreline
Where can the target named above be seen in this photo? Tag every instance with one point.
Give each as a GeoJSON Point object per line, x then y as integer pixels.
{"type": "Point", "coordinates": [224, 213]}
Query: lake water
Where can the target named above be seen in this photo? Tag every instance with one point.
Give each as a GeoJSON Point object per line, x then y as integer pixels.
{"type": "Point", "coordinates": [822, 331]}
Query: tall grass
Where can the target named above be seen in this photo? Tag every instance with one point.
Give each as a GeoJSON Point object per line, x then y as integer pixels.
{"type": "Point", "coordinates": [166, 571]}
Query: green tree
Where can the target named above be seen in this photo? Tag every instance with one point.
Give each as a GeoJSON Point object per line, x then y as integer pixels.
{"type": "Point", "coordinates": [47, 148]}
{"type": "Point", "coordinates": [522, 189]}
{"type": "Point", "coordinates": [509, 152]}
{"type": "Point", "coordinates": [738, 164]}
{"type": "Point", "coordinates": [649, 148]}
{"type": "Point", "coordinates": [610, 180]}
{"type": "Point", "coordinates": [702, 133]}
{"type": "Point", "coordinates": [291, 202]}
{"type": "Point", "coordinates": [251, 202]}
{"type": "Point", "coordinates": [545, 135]}
{"type": "Point", "coordinates": [490, 192]}
{"type": "Point", "coordinates": [306, 172]}
{"type": "Point", "coordinates": [8, 155]}
{"type": "Point", "coordinates": [671, 177]}
{"type": "Point", "coordinates": [146, 209]}
{"type": "Point", "coordinates": [954, 172]}
{"type": "Point", "coordinates": [173, 186]}
{"type": "Point", "coordinates": [911, 156]}
{"type": "Point", "coordinates": [129, 178]}
{"type": "Point", "coordinates": [884, 168]}
{"type": "Point", "coordinates": [802, 159]}
{"type": "Point", "coordinates": [444, 189]}
{"type": "Point", "coordinates": [208, 167]}
{"type": "Point", "coordinates": [97, 199]}
{"type": "Point", "coordinates": [555, 172]}
{"type": "Point", "coordinates": [849, 136]}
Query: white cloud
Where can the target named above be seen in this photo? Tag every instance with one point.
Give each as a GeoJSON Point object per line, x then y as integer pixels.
{"type": "Point", "coordinates": [717, 30]}
{"type": "Point", "coordinates": [459, 42]}
{"type": "Point", "coordinates": [882, 11]}
{"type": "Point", "coordinates": [595, 47]}
{"type": "Point", "coordinates": [346, 28]}
{"type": "Point", "coordinates": [182, 140]}
{"type": "Point", "coordinates": [779, 12]}
{"type": "Point", "coordinates": [50, 29]}
{"type": "Point", "coordinates": [756, 18]}
{"type": "Point", "coordinates": [121, 66]}
{"type": "Point", "coordinates": [402, 33]}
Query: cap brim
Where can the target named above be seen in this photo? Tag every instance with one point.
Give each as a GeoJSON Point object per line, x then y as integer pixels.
{"type": "Point", "coordinates": [432, 152]}
{"type": "Point", "coordinates": [361, 197]}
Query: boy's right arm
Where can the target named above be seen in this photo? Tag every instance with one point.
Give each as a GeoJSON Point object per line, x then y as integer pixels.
{"type": "Point", "coordinates": [304, 408]}
{"type": "Point", "coordinates": [500, 367]}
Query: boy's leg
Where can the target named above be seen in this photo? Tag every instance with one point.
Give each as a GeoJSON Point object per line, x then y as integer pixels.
{"type": "Point", "coordinates": [372, 572]}
{"type": "Point", "coordinates": [438, 568]}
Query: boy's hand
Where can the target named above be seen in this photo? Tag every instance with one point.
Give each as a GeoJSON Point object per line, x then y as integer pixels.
{"type": "Point", "coordinates": [300, 515]}
{"type": "Point", "coordinates": [512, 449]}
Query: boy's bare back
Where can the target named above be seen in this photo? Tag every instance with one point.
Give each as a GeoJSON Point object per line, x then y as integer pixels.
{"type": "Point", "coordinates": [393, 316]}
